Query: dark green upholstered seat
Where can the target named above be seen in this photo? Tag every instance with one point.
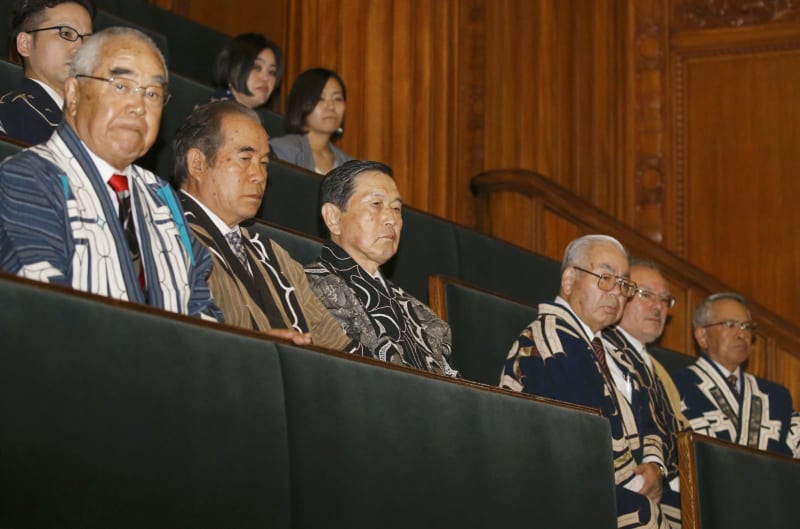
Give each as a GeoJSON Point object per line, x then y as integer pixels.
{"type": "Point", "coordinates": [374, 446]}
{"type": "Point", "coordinates": [105, 19]}
{"type": "Point", "coordinates": [505, 268]}
{"type": "Point", "coordinates": [292, 198]}
{"type": "Point", "coordinates": [192, 46]}
{"type": "Point", "coordinates": [118, 418]}
{"type": "Point", "coordinates": [10, 76]}
{"type": "Point", "coordinates": [727, 486]}
{"type": "Point", "coordinates": [186, 93]}
{"type": "Point", "coordinates": [427, 247]}
{"type": "Point", "coordinates": [303, 248]}
{"type": "Point", "coordinates": [671, 360]}
{"type": "Point", "coordinates": [117, 415]}
{"type": "Point", "coordinates": [484, 326]}
{"type": "Point", "coordinates": [8, 146]}
{"type": "Point", "coordinates": [273, 122]}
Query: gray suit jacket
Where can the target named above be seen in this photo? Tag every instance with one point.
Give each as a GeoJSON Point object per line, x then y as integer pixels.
{"type": "Point", "coordinates": [295, 149]}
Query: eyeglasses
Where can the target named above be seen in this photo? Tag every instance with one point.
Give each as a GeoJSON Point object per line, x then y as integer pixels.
{"type": "Point", "coordinates": [746, 326]}
{"type": "Point", "coordinates": [607, 282]}
{"type": "Point", "coordinates": [652, 297]}
{"type": "Point", "coordinates": [154, 95]}
{"type": "Point", "coordinates": [65, 32]}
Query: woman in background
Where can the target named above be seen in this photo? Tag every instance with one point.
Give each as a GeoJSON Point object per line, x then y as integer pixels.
{"type": "Point", "coordinates": [248, 69]}
{"type": "Point", "coordinates": [314, 117]}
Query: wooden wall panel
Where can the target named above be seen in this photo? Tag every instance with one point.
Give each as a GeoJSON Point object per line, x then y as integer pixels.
{"type": "Point", "coordinates": [400, 61]}
{"type": "Point", "coordinates": [737, 120]}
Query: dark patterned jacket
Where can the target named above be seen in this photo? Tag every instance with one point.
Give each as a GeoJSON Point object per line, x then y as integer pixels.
{"type": "Point", "coordinates": [392, 324]}
{"type": "Point", "coordinates": [28, 113]}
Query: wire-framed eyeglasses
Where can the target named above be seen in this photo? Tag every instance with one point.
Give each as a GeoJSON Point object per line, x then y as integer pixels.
{"type": "Point", "coordinates": [156, 95]}
{"type": "Point", "coordinates": [746, 326]}
{"type": "Point", "coordinates": [651, 297]}
{"type": "Point", "coordinates": [607, 282]}
{"type": "Point", "coordinates": [67, 33]}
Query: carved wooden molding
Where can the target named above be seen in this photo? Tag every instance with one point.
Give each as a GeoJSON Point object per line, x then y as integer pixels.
{"type": "Point", "coordinates": [473, 98]}
{"type": "Point", "coordinates": [699, 14]}
{"type": "Point", "coordinates": [650, 46]}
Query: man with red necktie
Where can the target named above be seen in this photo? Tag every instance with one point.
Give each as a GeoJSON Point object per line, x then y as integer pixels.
{"type": "Point", "coordinates": [76, 211]}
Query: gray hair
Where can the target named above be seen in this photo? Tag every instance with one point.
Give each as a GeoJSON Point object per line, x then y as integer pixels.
{"type": "Point", "coordinates": [338, 185]}
{"type": "Point", "coordinates": [702, 314]}
{"type": "Point", "coordinates": [644, 263]}
{"type": "Point", "coordinates": [578, 249]}
{"type": "Point", "coordinates": [87, 56]}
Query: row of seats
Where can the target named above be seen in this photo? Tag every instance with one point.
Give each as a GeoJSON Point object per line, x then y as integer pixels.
{"type": "Point", "coordinates": [727, 486]}
{"type": "Point", "coordinates": [123, 416]}
{"type": "Point", "coordinates": [487, 289]}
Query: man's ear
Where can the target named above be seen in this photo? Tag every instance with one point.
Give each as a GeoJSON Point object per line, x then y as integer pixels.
{"type": "Point", "coordinates": [331, 215]}
{"type": "Point", "coordinates": [702, 338]}
{"type": "Point", "coordinates": [72, 91]}
{"type": "Point", "coordinates": [24, 44]}
{"type": "Point", "coordinates": [567, 280]}
{"type": "Point", "coordinates": [196, 163]}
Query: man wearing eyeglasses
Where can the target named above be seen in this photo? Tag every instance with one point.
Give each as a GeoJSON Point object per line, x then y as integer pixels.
{"type": "Point", "coordinates": [76, 211]}
{"type": "Point", "coordinates": [719, 398]}
{"type": "Point", "coordinates": [643, 323]}
{"type": "Point", "coordinates": [562, 355]}
{"type": "Point", "coordinates": [45, 35]}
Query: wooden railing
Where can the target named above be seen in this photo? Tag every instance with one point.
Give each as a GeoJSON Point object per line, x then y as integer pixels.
{"type": "Point", "coordinates": [528, 209]}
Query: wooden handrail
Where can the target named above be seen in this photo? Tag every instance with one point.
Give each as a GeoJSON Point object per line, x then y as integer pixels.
{"type": "Point", "coordinates": [590, 219]}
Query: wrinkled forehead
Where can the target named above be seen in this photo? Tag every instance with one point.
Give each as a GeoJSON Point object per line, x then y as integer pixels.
{"type": "Point", "coordinates": [240, 132]}
{"type": "Point", "coordinates": [375, 183]}
{"type": "Point", "coordinates": [132, 58]}
{"type": "Point", "coordinates": [606, 257]}
{"type": "Point", "coordinates": [729, 309]}
{"type": "Point", "coordinates": [648, 278]}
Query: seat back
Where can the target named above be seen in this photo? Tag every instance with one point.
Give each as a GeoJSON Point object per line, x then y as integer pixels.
{"type": "Point", "coordinates": [728, 486]}
{"type": "Point", "coordinates": [303, 248]}
{"type": "Point", "coordinates": [671, 360]}
{"type": "Point", "coordinates": [292, 198]}
{"type": "Point", "coordinates": [193, 47]}
{"type": "Point", "coordinates": [186, 93]}
{"type": "Point", "coordinates": [484, 326]}
{"type": "Point", "coordinates": [10, 76]}
{"type": "Point", "coordinates": [9, 146]}
{"type": "Point", "coordinates": [272, 122]}
{"type": "Point", "coordinates": [376, 446]}
{"type": "Point", "coordinates": [105, 19]}
{"type": "Point", "coordinates": [123, 417]}
{"type": "Point", "coordinates": [506, 269]}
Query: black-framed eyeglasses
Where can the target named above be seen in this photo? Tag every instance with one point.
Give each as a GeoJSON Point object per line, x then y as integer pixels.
{"type": "Point", "coordinates": [652, 297]}
{"type": "Point", "coordinates": [155, 95]}
{"type": "Point", "coordinates": [607, 282]}
{"type": "Point", "coordinates": [746, 326]}
{"type": "Point", "coordinates": [65, 32]}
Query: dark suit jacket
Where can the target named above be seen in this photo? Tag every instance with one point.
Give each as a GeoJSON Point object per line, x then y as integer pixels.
{"type": "Point", "coordinates": [28, 113]}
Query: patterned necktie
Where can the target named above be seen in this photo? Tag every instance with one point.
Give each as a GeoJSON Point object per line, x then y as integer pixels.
{"type": "Point", "coordinates": [600, 354]}
{"type": "Point", "coordinates": [732, 383]}
{"type": "Point", "coordinates": [119, 183]}
{"type": "Point", "coordinates": [234, 239]}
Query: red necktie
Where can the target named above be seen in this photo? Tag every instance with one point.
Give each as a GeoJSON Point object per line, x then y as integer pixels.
{"type": "Point", "coordinates": [600, 354]}
{"type": "Point", "coordinates": [119, 183]}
